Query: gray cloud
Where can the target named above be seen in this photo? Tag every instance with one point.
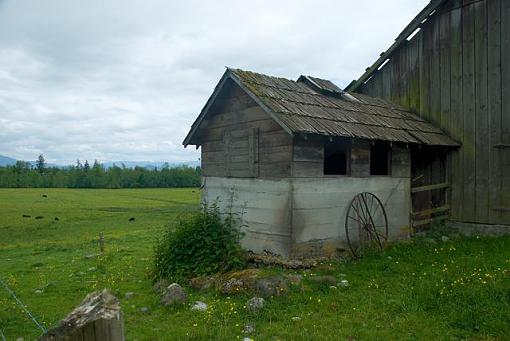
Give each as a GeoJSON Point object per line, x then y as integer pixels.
{"type": "Point", "coordinates": [125, 79]}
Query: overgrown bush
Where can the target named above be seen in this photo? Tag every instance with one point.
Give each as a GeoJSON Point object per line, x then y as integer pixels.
{"type": "Point", "coordinates": [200, 243]}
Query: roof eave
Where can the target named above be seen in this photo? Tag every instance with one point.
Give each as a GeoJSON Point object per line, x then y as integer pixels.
{"type": "Point", "coordinates": [402, 38]}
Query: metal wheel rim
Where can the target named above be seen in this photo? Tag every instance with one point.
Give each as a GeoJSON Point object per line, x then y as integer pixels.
{"type": "Point", "coordinates": [365, 206]}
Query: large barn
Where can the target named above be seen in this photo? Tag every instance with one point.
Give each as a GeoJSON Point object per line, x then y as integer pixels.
{"type": "Point", "coordinates": [420, 137]}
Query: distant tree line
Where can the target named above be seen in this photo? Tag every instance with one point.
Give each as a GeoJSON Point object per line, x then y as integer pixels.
{"type": "Point", "coordinates": [82, 175]}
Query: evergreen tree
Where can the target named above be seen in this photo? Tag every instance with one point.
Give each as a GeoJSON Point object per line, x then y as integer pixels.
{"type": "Point", "coordinates": [40, 164]}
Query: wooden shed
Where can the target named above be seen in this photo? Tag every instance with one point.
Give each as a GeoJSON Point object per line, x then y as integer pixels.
{"type": "Point", "coordinates": [451, 65]}
{"type": "Point", "coordinates": [293, 156]}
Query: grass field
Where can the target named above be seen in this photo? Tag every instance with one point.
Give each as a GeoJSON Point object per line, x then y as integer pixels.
{"type": "Point", "coordinates": [459, 289]}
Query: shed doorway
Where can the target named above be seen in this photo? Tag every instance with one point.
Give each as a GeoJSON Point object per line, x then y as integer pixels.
{"type": "Point", "coordinates": [429, 187]}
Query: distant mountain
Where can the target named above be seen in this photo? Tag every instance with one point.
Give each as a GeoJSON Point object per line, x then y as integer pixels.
{"type": "Point", "coordinates": [6, 161]}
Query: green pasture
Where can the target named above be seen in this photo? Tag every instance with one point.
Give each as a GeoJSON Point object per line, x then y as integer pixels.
{"type": "Point", "coordinates": [424, 289]}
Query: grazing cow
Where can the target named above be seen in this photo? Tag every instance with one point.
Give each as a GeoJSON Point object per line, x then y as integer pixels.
{"type": "Point", "coordinates": [26, 216]}
{"type": "Point", "coordinates": [39, 217]}
{"type": "Point", "coordinates": [44, 195]}
{"type": "Point", "coordinates": [56, 218]}
{"type": "Point", "coordinates": [131, 219]}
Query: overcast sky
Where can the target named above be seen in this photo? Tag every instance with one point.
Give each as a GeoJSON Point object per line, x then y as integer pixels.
{"type": "Point", "coordinates": [124, 79]}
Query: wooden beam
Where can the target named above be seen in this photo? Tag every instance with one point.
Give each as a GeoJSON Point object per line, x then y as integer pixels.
{"type": "Point", "coordinates": [431, 211]}
{"type": "Point", "coordinates": [430, 187]}
{"type": "Point", "coordinates": [428, 221]}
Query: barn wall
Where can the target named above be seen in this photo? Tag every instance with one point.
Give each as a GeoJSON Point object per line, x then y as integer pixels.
{"type": "Point", "coordinates": [241, 140]}
{"type": "Point", "coordinates": [456, 73]}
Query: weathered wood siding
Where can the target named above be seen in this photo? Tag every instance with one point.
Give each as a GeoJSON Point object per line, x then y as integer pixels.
{"type": "Point", "coordinates": [456, 73]}
{"type": "Point", "coordinates": [243, 141]}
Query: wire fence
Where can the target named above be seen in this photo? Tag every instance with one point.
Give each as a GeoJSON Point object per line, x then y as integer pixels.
{"type": "Point", "coordinates": [22, 306]}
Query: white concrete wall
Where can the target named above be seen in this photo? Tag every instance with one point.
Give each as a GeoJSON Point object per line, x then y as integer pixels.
{"type": "Point", "coordinates": [264, 206]}
{"type": "Point", "coordinates": [320, 205]}
{"type": "Point", "coordinates": [283, 214]}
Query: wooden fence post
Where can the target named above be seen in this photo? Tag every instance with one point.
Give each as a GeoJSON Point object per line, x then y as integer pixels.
{"type": "Point", "coordinates": [97, 318]}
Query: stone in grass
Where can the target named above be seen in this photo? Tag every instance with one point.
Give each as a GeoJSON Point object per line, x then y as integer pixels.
{"type": "Point", "coordinates": [144, 310]}
{"type": "Point", "coordinates": [174, 295]}
{"type": "Point", "coordinates": [160, 286]}
{"type": "Point", "coordinates": [329, 280]}
{"type": "Point", "coordinates": [199, 306]}
{"type": "Point", "coordinates": [271, 286]}
{"type": "Point", "coordinates": [249, 328]}
{"type": "Point", "coordinates": [202, 282]}
{"type": "Point", "coordinates": [343, 283]}
{"type": "Point", "coordinates": [294, 279]}
{"type": "Point", "coordinates": [255, 303]}
{"type": "Point", "coordinates": [445, 239]}
{"type": "Point", "coordinates": [129, 294]}
{"type": "Point", "coordinates": [295, 319]}
{"type": "Point", "coordinates": [247, 339]}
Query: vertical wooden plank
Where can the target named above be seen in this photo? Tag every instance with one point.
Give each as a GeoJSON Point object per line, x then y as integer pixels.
{"type": "Point", "coordinates": [505, 111]}
{"type": "Point", "coordinates": [469, 104]}
{"type": "Point", "coordinates": [227, 139]}
{"type": "Point", "coordinates": [494, 99]}
{"type": "Point", "coordinates": [457, 125]}
{"type": "Point", "coordinates": [425, 71]}
{"type": "Point", "coordinates": [253, 152]}
{"type": "Point", "coordinates": [445, 45]}
{"type": "Point", "coordinates": [386, 80]}
{"type": "Point", "coordinates": [435, 72]}
{"type": "Point", "coordinates": [483, 148]}
{"type": "Point", "coordinates": [414, 82]}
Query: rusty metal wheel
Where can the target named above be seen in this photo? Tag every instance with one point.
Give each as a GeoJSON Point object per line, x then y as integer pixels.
{"type": "Point", "coordinates": [366, 224]}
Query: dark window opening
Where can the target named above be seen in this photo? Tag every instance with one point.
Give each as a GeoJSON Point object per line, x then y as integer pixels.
{"type": "Point", "coordinates": [336, 156]}
{"type": "Point", "coordinates": [380, 154]}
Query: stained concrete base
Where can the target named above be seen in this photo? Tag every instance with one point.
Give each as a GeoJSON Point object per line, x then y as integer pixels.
{"type": "Point", "coordinates": [471, 229]}
{"type": "Point", "coordinates": [305, 217]}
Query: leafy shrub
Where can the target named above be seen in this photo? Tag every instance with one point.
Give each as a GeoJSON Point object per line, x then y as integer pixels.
{"type": "Point", "coordinates": [200, 243]}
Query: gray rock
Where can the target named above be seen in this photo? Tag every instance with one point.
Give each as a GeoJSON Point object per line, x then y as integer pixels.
{"type": "Point", "coordinates": [296, 319]}
{"type": "Point", "coordinates": [247, 339]}
{"type": "Point", "coordinates": [294, 279]}
{"type": "Point", "coordinates": [160, 286]}
{"type": "Point", "coordinates": [231, 286]}
{"type": "Point", "coordinates": [199, 306]}
{"type": "Point", "coordinates": [91, 269]}
{"type": "Point", "coordinates": [129, 294]}
{"type": "Point", "coordinates": [445, 239]}
{"type": "Point", "coordinates": [144, 310]}
{"type": "Point", "coordinates": [255, 303]}
{"type": "Point", "coordinates": [202, 282]}
{"type": "Point", "coordinates": [343, 283]}
{"type": "Point", "coordinates": [332, 287]}
{"type": "Point", "coordinates": [329, 280]}
{"type": "Point", "coordinates": [249, 328]}
{"type": "Point", "coordinates": [173, 295]}
{"type": "Point", "coordinates": [271, 286]}
{"type": "Point", "coordinates": [38, 291]}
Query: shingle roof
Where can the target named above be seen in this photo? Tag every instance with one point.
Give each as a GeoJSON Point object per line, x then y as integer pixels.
{"type": "Point", "coordinates": [302, 110]}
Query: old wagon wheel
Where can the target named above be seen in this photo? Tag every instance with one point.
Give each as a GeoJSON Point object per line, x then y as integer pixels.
{"type": "Point", "coordinates": [366, 224]}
